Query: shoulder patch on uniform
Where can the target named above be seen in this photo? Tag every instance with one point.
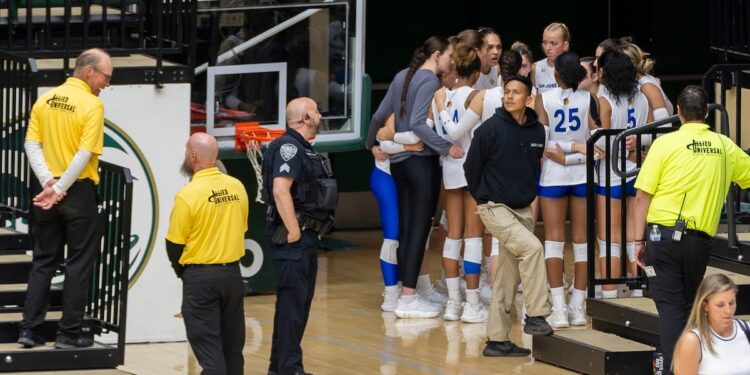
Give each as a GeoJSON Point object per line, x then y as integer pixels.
{"type": "Point", "coordinates": [288, 151]}
{"type": "Point", "coordinates": [284, 168]}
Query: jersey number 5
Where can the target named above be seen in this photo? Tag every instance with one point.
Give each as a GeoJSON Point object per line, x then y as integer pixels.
{"type": "Point", "coordinates": [574, 122]}
{"type": "Point", "coordinates": [631, 118]}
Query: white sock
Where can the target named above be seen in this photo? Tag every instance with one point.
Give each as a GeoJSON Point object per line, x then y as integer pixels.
{"type": "Point", "coordinates": [424, 284]}
{"type": "Point", "coordinates": [393, 289]}
{"type": "Point", "coordinates": [577, 297]}
{"type": "Point", "coordinates": [558, 297]}
{"type": "Point", "coordinates": [454, 291]}
{"type": "Point", "coordinates": [472, 296]}
{"type": "Point", "coordinates": [609, 293]}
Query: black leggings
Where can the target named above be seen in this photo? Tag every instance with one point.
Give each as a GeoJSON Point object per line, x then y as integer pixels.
{"type": "Point", "coordinates": [418, 185]}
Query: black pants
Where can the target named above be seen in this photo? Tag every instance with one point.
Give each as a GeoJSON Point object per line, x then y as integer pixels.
{"type": "Point", "coordinates": [679, 268]}
{"type": "Point", "coordinates": [74, 222]}
{"type": "Point", "coordinates": [418, 186]}
{"type": "Point", "coordinates": [214, 314]}
{"type": "Point", "coordinates": [296, 270]}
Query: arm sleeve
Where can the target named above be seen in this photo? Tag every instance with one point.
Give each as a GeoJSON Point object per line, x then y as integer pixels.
{"type": "Point", "coordinates": [406, 138]}
{"type": "Point", "coordinates": [566, 147]}
{"type": "Point", "coordinates": [391, 147]}
{"type": "Point", "coordinates": [380, 116]}
{"type": "Point", "coordinates": [79, 162]}
{"type": "Point", "coordinates": [464, 125]}
{"type": "Point", "coordinates": [418, 124]}
{"type": "Point", "coordinates": [475, 159]}
{"type": "Point", "coordinates": [36, 160]}
{"type": "Point", "coordinates": [174, 253]}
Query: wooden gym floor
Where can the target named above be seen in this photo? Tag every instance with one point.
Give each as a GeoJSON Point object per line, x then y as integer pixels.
{"type": "Point", "coordinates": [348, 333]}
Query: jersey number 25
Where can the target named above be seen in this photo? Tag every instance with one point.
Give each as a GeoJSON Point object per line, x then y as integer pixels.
{"type": "Point", "coordinates": [574, 122]}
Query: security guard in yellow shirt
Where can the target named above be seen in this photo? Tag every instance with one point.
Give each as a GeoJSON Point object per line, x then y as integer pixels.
{"type": "Point", "coordinates": [63, 143]}
{"type": "Point", "coordinates": [205, 241]}
{"type": "Point", "coordinates": [301, 194]}
{"type": "Point", "coordinates": [681, 190]}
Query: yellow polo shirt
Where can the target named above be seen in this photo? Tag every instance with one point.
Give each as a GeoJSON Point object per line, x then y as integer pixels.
{"type": "Point", "coordinates": [64, 120]}
{"type": "Point", "coordinates": [696, 165]}
{"type": "Point", "coordinates": [209, 217]}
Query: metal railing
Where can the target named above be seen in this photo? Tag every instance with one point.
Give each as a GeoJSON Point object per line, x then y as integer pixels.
{"type": "Point", "coordinates": [108, 296]}
{"type": "Point", "coordinates": [729, 28]}
{"type": "Point", "coordinates": [614, 144]}
{"type": "Point", "coordinates": [17, 95]}
{"type": "Point", "coordinates": [64, 28]}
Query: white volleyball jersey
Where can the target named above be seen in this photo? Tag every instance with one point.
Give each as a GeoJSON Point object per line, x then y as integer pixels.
{"type": "Point", "coordinates": [544, 76]}
{"type": "Point", "coordinates": [626, 114]}
{"type": "Point", "coordinates": [652, 80]}
{"type": "Point", "coordinates": [732, 353]}
{"type": "Point", "coordinates": [453, 169]}
{"type": "Point", "coordinates": [489, 80]}
{"type": "Point", "coordinates": [493, 99]}
{"type": "Point", "coordinates": [568, 117]}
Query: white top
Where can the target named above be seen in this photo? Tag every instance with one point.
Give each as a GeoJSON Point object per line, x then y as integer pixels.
{"type": "Point", "coordinates": [626, 114]}
{"type": "Point", "coordinates": [732, 354]}
{"type": "Point", "coordinates": [453, 169]}
{"type": "Point", "coordinates": [568, 117]}
{"type": "Point", "coordinates": [489, 80]}
{"type": "Point", "coordinates": [544, 76]}
{"type": "Point", "coordinates": [652, 80]}
{"type": "Point", "coordinates": [493, 99]}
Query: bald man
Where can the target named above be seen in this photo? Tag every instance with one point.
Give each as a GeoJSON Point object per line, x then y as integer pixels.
{"type": "Point", "coordinates": [301, 195]}
{"type": "Point", "coordinates": [205, 241]}
{"type": "Point", "coordinates": [63, 143]}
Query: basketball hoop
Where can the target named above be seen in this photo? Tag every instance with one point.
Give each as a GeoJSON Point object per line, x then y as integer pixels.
{"type": "Point", "coordinates": [250, 137]}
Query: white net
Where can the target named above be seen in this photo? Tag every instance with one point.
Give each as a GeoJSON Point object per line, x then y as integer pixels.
{"type": "Point", "coordinates": [256, 160]}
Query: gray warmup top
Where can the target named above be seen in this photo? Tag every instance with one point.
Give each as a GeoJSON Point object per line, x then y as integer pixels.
{"type": "Point", "coordinates": [422, 87]}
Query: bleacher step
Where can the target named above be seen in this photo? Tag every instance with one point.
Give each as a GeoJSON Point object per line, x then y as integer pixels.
{"type": "Point", "coordinates": [12, 240]}
{"type": "Point", "coordinates": [15, 268]}
{"type": "Point", "coordinates": [46, 357]}
{"type": "Point", "coordinates": [592, 352]}
{"type": "Point", "coordinates": [15, 295]}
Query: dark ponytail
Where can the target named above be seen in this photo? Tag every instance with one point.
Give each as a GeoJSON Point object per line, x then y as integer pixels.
{"type": "Point", "coordinates": [619, 75]}
{"type": "Point", "coordinates": [510, 64]}
{"type": "Point", "coordinates": [569, 69]}
{"type": "Point", "coordinates": [431, 45]}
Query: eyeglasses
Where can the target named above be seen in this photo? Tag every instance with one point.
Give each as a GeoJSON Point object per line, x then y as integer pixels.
{"type": "Point", "coordinates": [108, 77]}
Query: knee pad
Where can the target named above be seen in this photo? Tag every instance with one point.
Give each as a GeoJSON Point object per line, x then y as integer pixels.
{"type": "Point", "coordinates": [580, 252]}
{"type": "Point", "coordinates": [452, 249]}
{"type": "Point", "coordinates": [444, 220]}
{"type": "Point", "coordinates": [473, 255]}
{"type": "Point", "coordinates": [614, 249]}
{"type": "Point", "coordinates": [495, 251]}
{"type": "Point", "coordinates": [389, 262]}
{"type": "Point", "coordinates": [553, 249]}
{"type": "Point", "coordinates": [389, 251]}
{"type": "Point", "coordinates": [630, 249]}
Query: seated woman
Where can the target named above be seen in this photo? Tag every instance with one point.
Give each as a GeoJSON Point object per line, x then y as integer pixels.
{"type": "Point", "coordinates": [714, 342]}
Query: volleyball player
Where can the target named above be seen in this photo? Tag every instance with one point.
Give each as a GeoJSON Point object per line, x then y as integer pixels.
{"type": "Point", "coordinates": [555, 41]}
{"type": "Point", "coordinates": [566, 110]}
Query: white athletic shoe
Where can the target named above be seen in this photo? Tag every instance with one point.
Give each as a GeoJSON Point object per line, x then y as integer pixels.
{"type": "Point", "coordinates": [577, 315]}
{"type": "Point", "coordinates": [433, 297]}
{"type": "Point", "coordinates": [559, 318]}
{"type": "Point", "coordinates": [453, 310]}
{"type": "Point", "coordinates": [390, 300]}
{"type": "Point", "coordinates": [417, 309]}
{"type": "Point", "coordinates": [474, 313]}
{"type": "Point", "coordinates": [636, 293]}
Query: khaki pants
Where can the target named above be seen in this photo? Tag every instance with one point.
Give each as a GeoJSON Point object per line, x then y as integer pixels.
{"type": "Point", "coordinates": [521, 260]}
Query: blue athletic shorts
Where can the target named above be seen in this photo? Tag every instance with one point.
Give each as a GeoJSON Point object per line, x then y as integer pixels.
{"type": "Point", "coordinates": [563, 191]}
{"type": "Point", "coordinates": [616, 191]}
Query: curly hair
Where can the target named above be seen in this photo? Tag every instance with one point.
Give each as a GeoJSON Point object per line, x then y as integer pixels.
{"type": "Point", "coordinates": [618, 75]}
{"type": "Point", "coordinates": [568, 68]}
{"type": "Point", "coordinates": [431, 45]}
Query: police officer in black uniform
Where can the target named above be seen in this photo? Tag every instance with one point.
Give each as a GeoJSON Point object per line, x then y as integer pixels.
{"type": "Point", "coordinates": [301, 194]}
